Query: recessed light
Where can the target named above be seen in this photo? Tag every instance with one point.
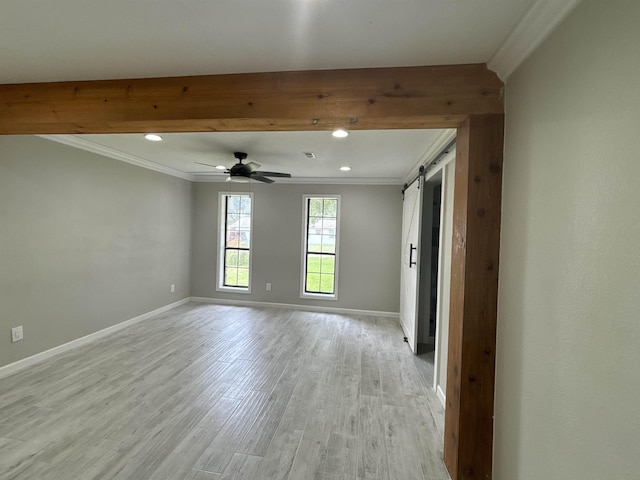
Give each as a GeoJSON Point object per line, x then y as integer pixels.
{"type": "Point", "coordinates": [221, 167]}
{"type": "Point", "coordinates": [340, 133]}
{"type": "Point", "coordinates": [345, 168]}
{"type": "Point", "coordinates": [154, 137]}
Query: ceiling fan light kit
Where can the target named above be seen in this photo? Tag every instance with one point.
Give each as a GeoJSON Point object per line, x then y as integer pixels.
{"type": "Point", "coordinates": [238, 179]}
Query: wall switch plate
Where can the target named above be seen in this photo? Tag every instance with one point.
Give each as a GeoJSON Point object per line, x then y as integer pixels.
{"type": "Point", "coordinates": [268, 287]}
{"type": "Point", "coordinates": [17, 334]}
{"type": "Point", "coordinates": [173, 288]}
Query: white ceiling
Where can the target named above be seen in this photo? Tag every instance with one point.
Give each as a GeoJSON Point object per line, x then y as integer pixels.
{"type": "Point", "coordinates": [380, 156]}
{"type": "Point", "coordinates": [42, 41]}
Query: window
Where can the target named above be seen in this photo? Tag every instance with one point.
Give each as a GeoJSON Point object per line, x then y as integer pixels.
{"type": "Point", "coordinates": [234, 265]}
{"type": "Point", "coordinates": [320, 246]}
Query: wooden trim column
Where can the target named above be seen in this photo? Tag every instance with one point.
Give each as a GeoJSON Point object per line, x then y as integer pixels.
{"type": "Point", "coordinates": [468, 443]}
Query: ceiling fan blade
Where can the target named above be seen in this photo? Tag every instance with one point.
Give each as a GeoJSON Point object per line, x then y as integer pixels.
{"type": "Point", "coordinates": [261, 178]}
{"type": "Point", "coordinates": [271, 174]}
{"type": "Point", "coordinates": [252, 166]}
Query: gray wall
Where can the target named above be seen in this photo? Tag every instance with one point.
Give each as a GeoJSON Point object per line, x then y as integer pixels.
{"type": "Point", "coordinates": [85, 243]}
{"type": "Point", "coordinates": [568, 388]}
{"type": "Point", "coordinates": [369, 262]}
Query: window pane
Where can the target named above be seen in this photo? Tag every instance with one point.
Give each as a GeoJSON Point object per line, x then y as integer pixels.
{"type": "Point", "coordinates": [244, 222]}
{"type": "Point", "coordinates": [315, 207]}
{"type": "Point", "coordinates": [329, 226]}
{"type": "Point", "coordinates": [243, 239]}
{"type": "Point", "coordinates": [245, 205]}
{"type": "Point", "coordinates": [243, 258]}
{"type": "Point", "coordinates": [230, 276]}
{"type": "Point", "coordinates": [233, 221]}
{"type": "Point", "coordinates": [326, 283]}
{"type": "Point", "coordinates": [328, 244]}
{"type": "Point", "coordinates": [327, 264]}
{"type": "Point", "coordinates": [233, 204]}
{"type": "Point", "coordinates": [231, 258]}
{"type": "Point", "coordinates": [243, 277]}
{"type": "Point", "coordinates": [313, 263]}
{"type": "Point", "coordinates": [314, 243]}
{"type": "Point", "coordinates": [330, 207]}
{"type": "Point", "coordinates": [313, 282]}
{"type": "Point", "coordinates": [315, 225]}
{"type": "Point", "coordinates": [233, 227]}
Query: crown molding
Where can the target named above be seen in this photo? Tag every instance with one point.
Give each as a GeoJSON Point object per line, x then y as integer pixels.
{"type": "Point", "coordinates": [536, 25]}
{"type": "Point", "coordinates": [443, 139]}
{"type": "Point", "coordinates": [89, 146]}
{"type": "Point", "coordinates": [213, 178]}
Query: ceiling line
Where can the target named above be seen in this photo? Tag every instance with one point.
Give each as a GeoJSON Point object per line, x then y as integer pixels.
{"type": "Point", "coordinates": [109, 152]}
{"type": "Point", "coordinates": [443, 139]}
{"type": "Point", "coordinates": [534, 27]}
{"type": "Point", "coordinates": [89, 146]}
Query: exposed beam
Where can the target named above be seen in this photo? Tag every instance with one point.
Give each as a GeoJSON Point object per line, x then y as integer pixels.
{"type": "Point", "coordinates": [383, 98]}
{"type": "Point", "coordinates": [468, 442]}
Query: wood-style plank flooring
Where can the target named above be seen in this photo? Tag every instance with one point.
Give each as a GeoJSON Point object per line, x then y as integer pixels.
{"type": "Point", "coordinates": [208, 392]}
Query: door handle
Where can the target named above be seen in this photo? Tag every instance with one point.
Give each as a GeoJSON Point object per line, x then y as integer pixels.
{"type": "Point", "coordinates": [411, 249]}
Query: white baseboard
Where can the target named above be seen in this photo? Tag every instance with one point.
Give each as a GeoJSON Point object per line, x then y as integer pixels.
{"type": "Point", "coordinates": [78, 342]}
{"type": "Point", "coordinates": [441, 395]}
{"type": "Point", "coordinates": [292, 306]}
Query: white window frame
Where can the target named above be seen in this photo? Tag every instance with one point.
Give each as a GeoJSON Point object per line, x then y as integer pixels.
{"type": "Point", "coordinates": [303, 263]}
{"type": "Point", "coordinates": [221, 243]}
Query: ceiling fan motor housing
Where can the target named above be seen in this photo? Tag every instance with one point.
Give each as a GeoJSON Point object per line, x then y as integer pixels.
{"type": "Point", "coordinates": [240, 170]}
{"type": "Point", "coordinates": [250, 171]}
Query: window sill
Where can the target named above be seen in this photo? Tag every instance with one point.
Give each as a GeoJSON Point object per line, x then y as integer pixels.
{"type": "Point", "coordinates": [319, 296]}
{"type": "Point", "coordinates": [233, 289]}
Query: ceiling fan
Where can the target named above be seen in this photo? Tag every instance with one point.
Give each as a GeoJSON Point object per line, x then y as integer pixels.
{"type": "Point", "coordinates": [243, 172]}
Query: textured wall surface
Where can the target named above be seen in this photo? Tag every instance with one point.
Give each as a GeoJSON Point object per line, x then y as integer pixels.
{"type": "Point", "coordinates": [369, 250]}
{"type": "Point", "coordinates": [568, 327]}
{"type": "Point", "coordinates": [86, 242]}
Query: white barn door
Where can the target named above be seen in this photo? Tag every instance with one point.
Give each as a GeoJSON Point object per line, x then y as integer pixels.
{"type": "Point", "coordinates": [410, 267]}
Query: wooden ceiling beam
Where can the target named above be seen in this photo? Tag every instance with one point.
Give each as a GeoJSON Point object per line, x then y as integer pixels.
{"type": "Point", "coordinates": [358, 99]}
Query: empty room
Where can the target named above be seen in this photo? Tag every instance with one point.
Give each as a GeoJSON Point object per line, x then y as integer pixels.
{"type": "Point", "coordinates": [307, 239]}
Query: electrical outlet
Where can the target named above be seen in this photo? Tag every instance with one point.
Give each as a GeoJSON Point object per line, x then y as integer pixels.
{"type": "Point", "coordinates": [268, 287]}
{"type": "Point", "coordinates": [173, 288]}
{"type": "Point", "coordinates": [17, 334]}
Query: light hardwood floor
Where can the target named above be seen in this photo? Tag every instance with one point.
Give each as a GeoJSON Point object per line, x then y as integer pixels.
{"type": "Point", "coordinates": [208, 392]}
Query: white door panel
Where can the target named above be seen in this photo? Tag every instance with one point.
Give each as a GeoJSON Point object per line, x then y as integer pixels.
{"type": "Point", "coordinates": [410, 267]}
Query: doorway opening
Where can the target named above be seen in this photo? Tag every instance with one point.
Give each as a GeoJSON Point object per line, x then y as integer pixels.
{"type": "Point", "coordinates": [429, 268]}
{"type": "Point", "coordinates": [434, 288]}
